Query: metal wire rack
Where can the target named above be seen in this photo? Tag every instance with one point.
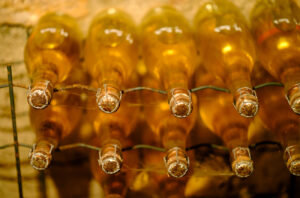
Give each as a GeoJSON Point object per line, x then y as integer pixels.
{"type": "Point", "coordinates": [16, 143]}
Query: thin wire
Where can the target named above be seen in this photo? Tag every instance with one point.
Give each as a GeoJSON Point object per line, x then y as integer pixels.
{"type": "Point", "coordinates": [144, 88]}
{"type": "Point", "coordinates": [14, 125]}
{"type": "Point", "coordinates": [210, 87]}
{"type": "Point", "coordinates": [268, 84]}
{"type": "Point", "coordinates": [92, 89]}
{"type": "Point", "coordinates": [77, 145]}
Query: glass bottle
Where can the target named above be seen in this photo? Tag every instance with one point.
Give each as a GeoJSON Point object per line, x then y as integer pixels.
{"type": "Point", "coordinates": [51, 51]}
{"type": "Point", "coordinates": [113, 130]}
{"type": "Point", "coordinates": [169, 52]}
{"type": "Point", "coordinates": [227, 51]}
{"type": "Point", "coordinates": [276, 30]}
{"type": "Point", "coordinates": [116, 185]}
{"type": "Point", "coordinates": [280, 119]}
{"type": "Point", "coordinates": [169, 131]}
{"type": "Point", "coordinates": [52, 125]}
{"type": "Point", "coordinates": [219, 116]}
{"type": "Point", "coordinates": [111, 56]}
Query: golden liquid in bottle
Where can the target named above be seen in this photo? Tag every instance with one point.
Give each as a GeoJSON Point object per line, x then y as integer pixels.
{"type": "Point", "coordinates": [111, 56]}
{"type": "Point", "coordinates": [227, 50]}
{"type": "Point", "coordinates": [280, 119]}
{"type": "Point", "coordinates": [52, 50]}
{"type": "Point", "coordinates": [276, 29]}
{"type": "Point", "coordinates": [113, 130]}
{"type": "Point", "coordinates": [167, 130]}
{"type": "Point", "coordinates": [169, 52]}
{"type": "Point", "coordinates": [221, 118]}
{"type": "Point", "coordinates": [52, 125]}
{"type": "Point", "coordinates": [115, 186]}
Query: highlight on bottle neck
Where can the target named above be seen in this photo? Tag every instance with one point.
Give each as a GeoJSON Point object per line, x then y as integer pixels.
{"type": "Point", "coordinates": [242, 164]}
{"type": "Point", "coordinates": [292, 159]}
{"type": "Point", "coordinates": [41, 155]}
{"type": "Point", "coordinates": [245, 102]}
{"type": "Point", "coordinates": [40, 94]}
{"type": "Point", "coordinates": [108, 98]}
{"type": "Point", "coordinates": [293, 98]}
{"type": "Point", "coordinates": [180, 101]}
{"type": "Point", "coordinates": [110, 158]}
{"type": "Point", "coordinates": [176, 162]}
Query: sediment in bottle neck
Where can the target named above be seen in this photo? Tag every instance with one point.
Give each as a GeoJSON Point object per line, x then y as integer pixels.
{"type": "Point", "coordinates": [244, 97]}
{"type": "Point", "coordinates": [291, 81]}
{"type": "Point", "coordinates": [235, 139]}
{"type": "Point", "coordinates": [41, 90]}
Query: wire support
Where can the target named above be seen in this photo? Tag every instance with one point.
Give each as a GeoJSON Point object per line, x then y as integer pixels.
{"type": "Point", "coordinates": [14, 126]}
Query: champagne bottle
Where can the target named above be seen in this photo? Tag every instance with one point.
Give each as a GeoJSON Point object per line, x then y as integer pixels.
{"type": "Point", "coordinates": [111, 56]}
{"type": "Point", "coordinates": [219, 116]}
{"type": "Point", "coordinates": [169, 131]}
{"type": "Point", "coordinates": [113, 130]}
{"type": "Point", "coordinates": [52, 50]}
{"type": "Point", "coordinates": [280, 119]}
{"type": "Point", "coordinates": [52, 125]}
{"type": "Point", "coordinates": [227, 51]}
{"type": "Point", "coordinates": [169, 52]}
{"type": "Point", "coordinates": [276, 29]}
{"type": "Point", "coordinates": [116, 185]}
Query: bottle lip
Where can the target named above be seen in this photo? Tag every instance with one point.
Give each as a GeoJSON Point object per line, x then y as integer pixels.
{"type": "Point", "coordinates": [242, 164]}
{"type": "Point", "coordinates": [292, 158]}
{"type": "Point", "coordinates": [111, 160]}
{"type": "Point", "coordinates": [177, 162]}
{"type": "Point", "coordinates": [41, 157]}
{"type": "Point", "coordinates": [39, 96]}
{"type": "Point", "coordinates": [245, 102]}
{"type": "Point", "coordinates": [180, 102]}
{"type": "Point", "coordinates": [293, 98]}
{"type": "Point", "coordinates": [108, 98]}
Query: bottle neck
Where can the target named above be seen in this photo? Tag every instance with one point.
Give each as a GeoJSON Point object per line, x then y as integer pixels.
{"type": "Point", "coordinates": [291, 81]}
{"type": "Point", "coordinates": [235, 136]}
{"type": "Point", "coordinates": [292, 159]}
{"type": "Point", "coordinates": [41, 154]}
{"type": "Point", "coordinates": [174, 77]}
{"type": "Point", "coordinates": [40, 92]}
{"type": "Point", "coordinates": [244, 97]}
{"type": "Point", "coordinates": [289, 133]}
{"type": "Point", "coordinates": [173, 137]}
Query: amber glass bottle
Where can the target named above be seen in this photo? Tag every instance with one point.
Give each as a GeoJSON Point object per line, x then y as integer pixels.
{"type": "Point", "coordinates": [115, 186]}
{"type": "Point", "coordinates": [169, 52]}
{"type": "Point", "coordinates": [280, 119]}
{"type": "Point", "coordinates": [111, 56]}
{"type": "Point", "coordinates": [227, 51]}
{"type": "Point", "coordinates": [52, 50]}
{"type": "Point", "coordinates": [276, 29]}
{"type": "Point", "coordinates": [168, 130]}
{"type": "Point", "coordinates": [113, 130]}
{"type": "Point", "coordinates": [219, 116]}
{"type": "Point", "coordinates": [52, 125]}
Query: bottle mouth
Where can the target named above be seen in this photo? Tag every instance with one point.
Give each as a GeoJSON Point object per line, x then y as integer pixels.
{"type": "Point", "coordinates": [110, 159]}
{"type": "Point", "coordinates": [243, 168]}
{"type": "Point", "coordinates": [292, 158]}
{"type": "Point", "coordinates": [177, 162]}
{"type": "Point", "coordinates": [40, 160]}
{"type": "Point", "coordinates": [293, 97]}
{"type": "Point", "coordinates": [180, 102]}
{"type": "Point", "coordinates": [40, 94]}
{"type": "Point", "coordinates": [108, 99]}
{"type": "Point", "coordinates": [294, 167]}
{"type": "Point", "coordinates": [246, 102]}
{"type": "Point", "coordinates": [242, 165]}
